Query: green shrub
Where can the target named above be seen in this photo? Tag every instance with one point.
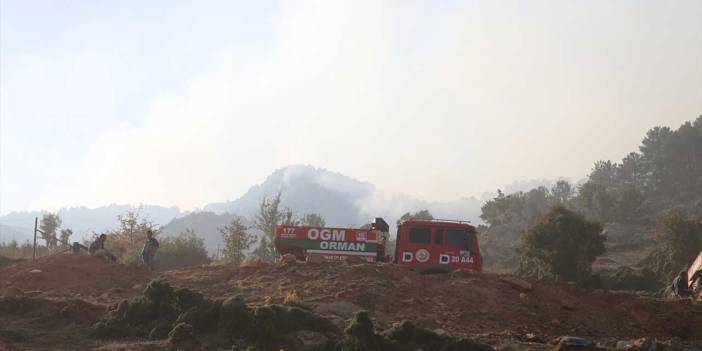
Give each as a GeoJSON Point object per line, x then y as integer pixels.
{"type": "Point", "coordinates": [185, 250]}
{"type": "Point", "coordinates": [562, 245]}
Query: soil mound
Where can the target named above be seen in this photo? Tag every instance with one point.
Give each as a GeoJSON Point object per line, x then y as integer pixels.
{"type": "Point", "coordinates": [190, 320]}
{"type": "Point", "coordinates": [461, 302]}
{"type": "Point", "coordinates": [44, 323]}
{"type": "Point", "coordinates": [68, 273]}
{"type": "Point", "coordinates": [315, 306]}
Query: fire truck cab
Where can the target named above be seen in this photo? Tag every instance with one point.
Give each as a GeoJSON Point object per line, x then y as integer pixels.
{"type": "Point", "coordinates": [437, 245]}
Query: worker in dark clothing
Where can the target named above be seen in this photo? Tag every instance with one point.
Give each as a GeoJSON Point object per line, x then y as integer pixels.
{"type": "Point", "coordinates": [148, 254]}
{"type": "Point", "coordinates": [680, 287]}
{"type": "Point", "coordinates": [98, 244]}
{"type": "Point", "coordinates": [97, 248]}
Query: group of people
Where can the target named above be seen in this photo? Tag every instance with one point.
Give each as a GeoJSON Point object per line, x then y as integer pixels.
{"type": "Point", "coordinates": [148, 253]}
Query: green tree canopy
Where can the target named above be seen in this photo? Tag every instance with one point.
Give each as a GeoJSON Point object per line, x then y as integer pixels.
{"type": "Point", "coordinates": [133, 227]}
{"type": "Point", "coordinates": [185, 250]}
{"type": "Point", "coordinates": [680, 237]}
{"type": "Point", "coordinates": [562, 244]}
{"type": "Point", "coordinates": [49, 225]}
{"type": "Point", "coordinates": [66, 236]}
{"type": "Point", "coordinates": [236, 240]}
{"type": "Point", "coordinates": [268, 217]}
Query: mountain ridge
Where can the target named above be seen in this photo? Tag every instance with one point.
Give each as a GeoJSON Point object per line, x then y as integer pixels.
{"type": "Point", "coordinates": [341, 200]}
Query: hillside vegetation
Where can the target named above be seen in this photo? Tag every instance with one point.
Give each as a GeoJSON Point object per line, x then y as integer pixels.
{"type": "Point", "coordinates": [636, 196]}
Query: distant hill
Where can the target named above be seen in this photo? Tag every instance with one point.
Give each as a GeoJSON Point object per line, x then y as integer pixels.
{"type": "Point", "coordinates": [342, 201]}
{"type": "Point", "coordinates": [205, 225]}
{"type": "Point", "coordinates": [306, 189]}
{"type": "Point", "coordinates": [82, 220]}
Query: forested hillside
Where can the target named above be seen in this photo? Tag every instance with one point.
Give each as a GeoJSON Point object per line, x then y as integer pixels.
{"type": "Point", "coordinates": [664, 174]}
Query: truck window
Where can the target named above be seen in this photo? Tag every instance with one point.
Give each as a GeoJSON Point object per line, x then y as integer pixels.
{"type": "Point", "coordinates": [420, 235]}
{"type": "Point", "coordinates": [460, 238]}
{"type": "Point", "coordinates": [438, 236]}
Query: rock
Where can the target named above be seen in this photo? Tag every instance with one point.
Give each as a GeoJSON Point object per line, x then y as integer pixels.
{"type": "Point", "coordinates": [35, 271]}
{"type": "Point", "coordinates": [642, 344]}
{"type": "Point", "coordinates": [341, 308]}
{"type": "Point", "coordinates": [406, 280]}
{"type": "Point", "coordinates": [138, 287]}
{"type": "Point", "coordinates": [517, 282]}
{"type": "Point", "coordinates": [535, 338]}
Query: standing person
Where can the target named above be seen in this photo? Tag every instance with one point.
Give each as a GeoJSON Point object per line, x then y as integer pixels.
{"type": "Point", "coordinates": [148, 254]}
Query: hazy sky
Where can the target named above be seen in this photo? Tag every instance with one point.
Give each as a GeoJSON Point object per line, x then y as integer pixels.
{"type": "Point", "coordinates": [185, 103]}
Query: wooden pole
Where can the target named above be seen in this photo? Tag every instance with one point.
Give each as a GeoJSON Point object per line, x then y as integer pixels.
{"type": "Point", "coordinates": [34, 252]}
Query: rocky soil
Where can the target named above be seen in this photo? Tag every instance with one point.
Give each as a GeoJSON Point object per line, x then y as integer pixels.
{"type": "Point", "coordinates": [76, 302]}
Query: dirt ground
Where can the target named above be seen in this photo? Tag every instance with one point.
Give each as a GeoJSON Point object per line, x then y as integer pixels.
{"type": "Point", "coordinates": [52, 303]}
{"type": "Point", "coordinates": [92, 279]}
{"type": "Point", "coordinates": [462, 302]}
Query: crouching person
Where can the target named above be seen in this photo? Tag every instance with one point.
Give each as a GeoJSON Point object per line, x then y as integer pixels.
{"type": "Point", "coordinates": [97, 248]}
{"type": "Point", "coordinates": [148, 254]}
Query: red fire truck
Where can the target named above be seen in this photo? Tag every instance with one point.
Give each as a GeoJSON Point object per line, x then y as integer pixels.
{"type": "Point", "coordinates": [435, 245]}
